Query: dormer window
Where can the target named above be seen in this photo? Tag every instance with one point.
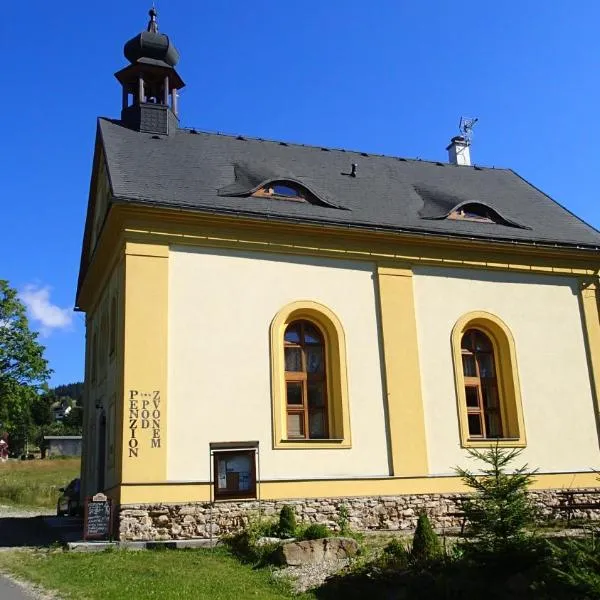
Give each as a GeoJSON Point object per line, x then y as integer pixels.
{"type": "Point", "coordinates": [474, 212]}
{"type": "Point", "coordinates": [282, 190]}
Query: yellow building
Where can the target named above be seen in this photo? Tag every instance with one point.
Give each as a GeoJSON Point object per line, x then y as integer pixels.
{"type": "Point", "coordinates": [272, 322]}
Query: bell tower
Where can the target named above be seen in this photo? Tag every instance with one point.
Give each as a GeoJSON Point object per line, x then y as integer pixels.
{"type": "Point", "coordinates": [150, 82]}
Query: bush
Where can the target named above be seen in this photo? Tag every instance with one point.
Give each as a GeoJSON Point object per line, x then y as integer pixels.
{"type": "Point", "coordinates": [577, 567]}
{"type": "Point", "coordinates": [426, 544]}
{"type": "Point", "coordinates": [396, 553]}
{"type": "Point", "coordinates": [244, 543]}
{"type": "Point", "coordinates": [287, 522]}
{"type": "Point", "coordinates": [343, 521]}
{"type": "Point", "coordinates": [316, 531]}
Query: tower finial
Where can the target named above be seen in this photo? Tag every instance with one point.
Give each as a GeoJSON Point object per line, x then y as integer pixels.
{"type": "Point", "coordinates": [152, 24]}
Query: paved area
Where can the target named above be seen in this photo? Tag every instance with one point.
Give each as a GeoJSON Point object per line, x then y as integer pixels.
{"type": "Point", "coordinates": [12, 591]}
{"type": "Point", "coordinates": [22, 528]}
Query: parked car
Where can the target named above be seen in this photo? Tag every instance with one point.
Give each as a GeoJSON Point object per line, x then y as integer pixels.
{"type": "Point", "coordinates": [69, 502]}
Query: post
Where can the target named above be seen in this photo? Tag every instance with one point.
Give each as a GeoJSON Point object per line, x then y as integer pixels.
{"type": "Point", "coordinates": [166, 91]}
{"type": "Point", "coordinates": [141, 98]}
{"type": "Point", "coordinates": [174, 101]}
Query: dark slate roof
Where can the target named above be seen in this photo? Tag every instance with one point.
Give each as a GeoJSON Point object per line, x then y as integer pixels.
{"type": "Point", "coordinates": [215, 173]}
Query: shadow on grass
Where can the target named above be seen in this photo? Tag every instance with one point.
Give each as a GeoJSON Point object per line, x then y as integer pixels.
{"type": "Point", "coordinates": [20, 532]}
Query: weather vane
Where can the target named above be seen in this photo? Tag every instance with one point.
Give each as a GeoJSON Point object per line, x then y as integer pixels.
{"type": "Point", "coordinates": [465, 127]}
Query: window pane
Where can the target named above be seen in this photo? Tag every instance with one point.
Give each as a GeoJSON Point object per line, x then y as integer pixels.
{"type": "Point", "coordinates": [314, 359]}
{"type": "Point", "coordinates": [466, 342]}
{"type": "Point", "coordinates": [284, 190]}
{"type": "Point", "coordinates": [490, 395]}
{"type": "Point", "coordinates": [311, 334]}
{"type": "Point", "coordinates": [316, 397]}
{"type": "Point", "coordinates": [469, 369]}
{"type": "Point", "coordinates": [293, 359]}
{"type": "Point", "coordinates": [493, 424]}
{"type": "Point", "coordinates": [234, 473]}
{"type": "Point", "coordinates": [472, 397]}
{"type": "Point", "coordinates": [294, 393]}
{"type": "Point", "coordinates": [482, 342]}
{"type": "Point", "coordinates": [475, 428]}
{"type": "Point", "coordinates": [292, 334]}
{"type": "Point", "coordinates": [316, 424]}
{"type": "Point", "coordinates": [486, 365]}
{"type": "Point", "coordinates": [295, 425]}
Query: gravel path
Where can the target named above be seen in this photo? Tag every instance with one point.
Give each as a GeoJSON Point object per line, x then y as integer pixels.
{"type": "Point", "coordinates": [309, 576]}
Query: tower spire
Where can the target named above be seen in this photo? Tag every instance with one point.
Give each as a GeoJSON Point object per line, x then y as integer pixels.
{"type": "Point", "coordinates": [150, 82]}
{"type": "Point", "coordinates": [152, 24]}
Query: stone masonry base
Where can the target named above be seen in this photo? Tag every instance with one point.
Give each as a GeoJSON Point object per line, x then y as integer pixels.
{"type": "Point", "coordinates": [204, 520]}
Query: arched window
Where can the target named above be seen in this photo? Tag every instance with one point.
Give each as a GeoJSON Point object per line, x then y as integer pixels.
{"type": "Point", "coordinates": [284, 190]}
{"type": "Point", "coordinates": [487, 382]}
{"type": "Point", "coordinates": [308, 375]}
{"type": "Point", "coordinates": [305, 381]}
{"type": "Point", "coordinates": [481, 386]}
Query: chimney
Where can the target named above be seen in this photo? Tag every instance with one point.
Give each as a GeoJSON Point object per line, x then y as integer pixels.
{"type": "Point", "coordinates": [458, 151]}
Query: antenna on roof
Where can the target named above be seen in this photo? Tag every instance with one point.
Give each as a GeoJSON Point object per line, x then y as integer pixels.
{"type": "Point", "coordinates": [465, 126]}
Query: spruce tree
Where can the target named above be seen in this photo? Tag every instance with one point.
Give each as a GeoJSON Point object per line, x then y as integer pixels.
{"type": "Point", "coordinates": [499, 510]}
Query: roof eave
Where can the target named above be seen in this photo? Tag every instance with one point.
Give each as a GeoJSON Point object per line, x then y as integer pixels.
{"type": "Point", "coordinates": [409, 231]}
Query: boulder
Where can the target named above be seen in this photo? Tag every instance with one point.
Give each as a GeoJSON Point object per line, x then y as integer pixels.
{"type": "Point", "coordinates": [311, 552]}
{"type": "Point", "coordinates": [264, 541]}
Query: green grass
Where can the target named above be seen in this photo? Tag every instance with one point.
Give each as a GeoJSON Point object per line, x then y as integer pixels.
{"type": "Point", "coordinates": [165, 574]}
{"type": "Point", "coordinates": [35, 482]}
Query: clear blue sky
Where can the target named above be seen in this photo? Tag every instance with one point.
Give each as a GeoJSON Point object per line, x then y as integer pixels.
{"type": "Point", "coordinates": [387, 76]}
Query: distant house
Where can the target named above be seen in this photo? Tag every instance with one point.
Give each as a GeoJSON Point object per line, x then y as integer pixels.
{"type": "Point", "coordinates": [63, 445]}
{"type": "Point", "coordinates": [273, 321]}
{"type": "Point", "coordinates": [60, 410]}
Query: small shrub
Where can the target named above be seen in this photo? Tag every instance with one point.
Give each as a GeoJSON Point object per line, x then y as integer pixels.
{"type": "Point", "coordinates": [244, 543]}
{"type": "Point", "coordinates": [396, 551]}
{"type": "Point", "coordinates": [426, 543]}
{"type": "Point", "coordinates": [343, 520]}
{"type": "Point", "coordinates": [287, 522]}
{"type": "Point", "coordinates": [316, 531]}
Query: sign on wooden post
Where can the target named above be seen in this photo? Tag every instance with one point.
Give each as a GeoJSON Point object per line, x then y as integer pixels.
{"type": "Point", "coordinates": [97, 518]}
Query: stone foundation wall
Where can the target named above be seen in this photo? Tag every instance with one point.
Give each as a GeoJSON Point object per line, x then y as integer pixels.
{"type": "Point", "coordinates": [203, 520]}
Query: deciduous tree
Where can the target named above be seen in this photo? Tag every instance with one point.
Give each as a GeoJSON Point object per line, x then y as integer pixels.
{"type": "Point", "coordinates": [23, 368]}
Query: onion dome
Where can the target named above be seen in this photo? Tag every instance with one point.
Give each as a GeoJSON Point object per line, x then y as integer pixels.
{"type": "Point", "coordinates": [151, 46]}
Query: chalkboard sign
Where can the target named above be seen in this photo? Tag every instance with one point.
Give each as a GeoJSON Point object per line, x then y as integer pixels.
{"type": "Point", "coordinates": [97, 521]}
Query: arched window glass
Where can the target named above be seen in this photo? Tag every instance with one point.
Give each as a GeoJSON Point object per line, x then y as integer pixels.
{"type": "Point", "coordinates": [481, 385]}
{"type": "Point", "coordinates": [305, 381]}
{"type": "Point", "coordinates": [487, 382]}
{"type": "Point", "coordinates": [283, 190]}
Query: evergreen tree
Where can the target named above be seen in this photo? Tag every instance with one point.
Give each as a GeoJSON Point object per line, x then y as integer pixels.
{"type": "Point", "coordinates": [426, 544]}
{"type": "Point", "coordinates": [499, 510]}
{"type": "Point", "coordinates": [287, 521]}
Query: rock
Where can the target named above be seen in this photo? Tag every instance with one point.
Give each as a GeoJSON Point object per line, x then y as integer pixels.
{"type": "Point", "coordinates": [263, 541]}
{"type": "Point", "coordinates": [316, 551]}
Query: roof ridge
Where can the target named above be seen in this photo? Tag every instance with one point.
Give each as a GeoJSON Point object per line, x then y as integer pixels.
{"type": "Point", "coordinates": [330, 148]}
{"type": "Point", "coordinates": [242, 137]}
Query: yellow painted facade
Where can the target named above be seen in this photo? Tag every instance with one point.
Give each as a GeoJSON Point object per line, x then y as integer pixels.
{"type": "Point", "coordinates": [402, 372]}
{"type": "Point", "coordinates": [131, 262]}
